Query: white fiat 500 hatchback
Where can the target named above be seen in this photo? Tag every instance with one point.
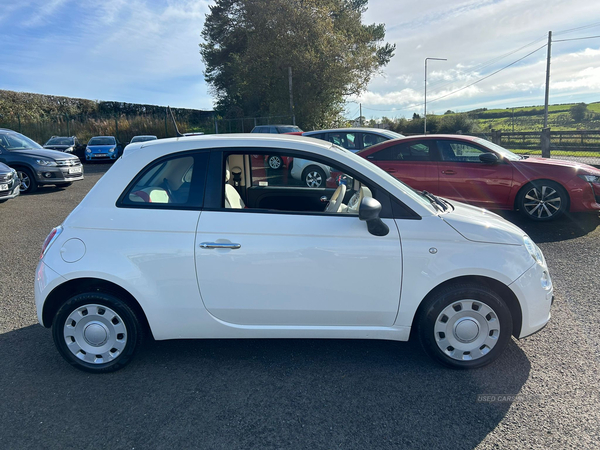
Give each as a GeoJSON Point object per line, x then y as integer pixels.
{"type": "Point", "coordinates": [197, 237]}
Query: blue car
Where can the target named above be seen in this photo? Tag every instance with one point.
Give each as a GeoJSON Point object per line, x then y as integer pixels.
{"type": "Point", "coordinates": [102, 148]}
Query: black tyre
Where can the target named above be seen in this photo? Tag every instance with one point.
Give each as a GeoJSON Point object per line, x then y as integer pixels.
{"type": "Point", "coordinates": [28, 183]}
{"type": "Point", "coordinates": [96, 332]}
{"type": "Point", "coordinates": [274, 162]}
{"type": "Point", "coordinates": [464, 326]}
{"type": "Point", "coordinates": [314, 177]}
{"type": "Point", "coordinates": [542, 200]}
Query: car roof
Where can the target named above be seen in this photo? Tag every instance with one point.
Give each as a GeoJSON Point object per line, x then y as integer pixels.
{"type": "Point", "coordinates": [443, 136]}
{"type": "Point", "coordinates": [352, 130]}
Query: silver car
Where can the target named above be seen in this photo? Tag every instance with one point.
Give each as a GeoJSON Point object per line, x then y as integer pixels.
{"type": "Point", "coordinates": [314, 174]}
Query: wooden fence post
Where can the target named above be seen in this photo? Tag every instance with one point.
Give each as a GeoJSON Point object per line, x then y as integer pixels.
{"type": "Point", "coordinates": [545, 142]}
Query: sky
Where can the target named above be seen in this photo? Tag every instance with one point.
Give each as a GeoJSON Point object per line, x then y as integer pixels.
{"type": "Point", "coordinates": [146, 51]}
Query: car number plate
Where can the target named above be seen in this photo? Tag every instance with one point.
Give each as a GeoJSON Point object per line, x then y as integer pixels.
{"type": "Point", "coordinates": [75, 170]}
{"type": "Point", "coordinates": [100, 155]}
{"type": "Point", "coordinates": [3, 187]}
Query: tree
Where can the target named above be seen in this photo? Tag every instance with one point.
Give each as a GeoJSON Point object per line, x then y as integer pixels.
{"type": "Point", "coordinates": [578, 112]}
{"type": "Point", "coordinates": [250, 44]}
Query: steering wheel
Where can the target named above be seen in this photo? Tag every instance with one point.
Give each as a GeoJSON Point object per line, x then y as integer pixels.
{"type": "Point", "coordinates": [335, 202]}
{"type": "Point", "coordinates": [168, 188]}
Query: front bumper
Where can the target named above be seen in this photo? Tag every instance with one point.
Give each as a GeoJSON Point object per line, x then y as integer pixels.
{"type": "Point", "coordinates": [101, 156]}
{"type": "Point", "coordinates": [534, 299]}
{"type": "Point", "coordinates": [13, 190]}
{"type": "Point", "coordinates": [53, 175]}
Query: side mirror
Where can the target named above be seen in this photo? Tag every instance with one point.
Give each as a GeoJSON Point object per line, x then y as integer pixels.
{"type": "Point", "coordinates": [368, 211]}
{"type": "Point", "coordinates": [488, 158]}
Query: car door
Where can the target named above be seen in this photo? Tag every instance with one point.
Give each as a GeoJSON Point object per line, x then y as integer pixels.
{"type": "Point", "coordinates": [464, 177]}
{"type": "Point", "coordinates": [412, 162]}
{"type": "Point", "coordinates": [286, 268]}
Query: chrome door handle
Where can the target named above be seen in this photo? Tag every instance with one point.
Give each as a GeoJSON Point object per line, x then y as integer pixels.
{"type": "Point", "coordinates": [448, 172]}
{"type": "Point", "coordinates": [229, 245]}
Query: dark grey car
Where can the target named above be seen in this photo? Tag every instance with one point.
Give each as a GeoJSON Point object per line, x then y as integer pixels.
{"type": "Point", "coordinates": [35, 165]}
{"type": "Point", "coordinates": [9, 183]}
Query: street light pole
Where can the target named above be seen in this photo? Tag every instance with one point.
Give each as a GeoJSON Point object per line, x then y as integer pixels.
{"type": "Point", "coordinates": [425, 103]}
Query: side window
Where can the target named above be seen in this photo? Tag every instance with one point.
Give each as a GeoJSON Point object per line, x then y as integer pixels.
{"type": "Point", "coordinates": [318, 136]}
{"type": "Point", "coordinates": [414, 151]}
{"type": "Point", "coordinates": [167, 182]}
{"type": "Point", "coordinates": [372, 139]}
{"type": "Point", "coordinates": [346, 140]}
{"type": "Point", "coordinates": [456, 151]}
{"type": "Point", "coordinates": [273, 130]}
{"type": "Point", "coordinates": [298, 185]}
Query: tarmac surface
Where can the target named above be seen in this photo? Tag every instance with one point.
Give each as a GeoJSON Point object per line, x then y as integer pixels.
{"type": "Point", "coordinates": [300, 394]}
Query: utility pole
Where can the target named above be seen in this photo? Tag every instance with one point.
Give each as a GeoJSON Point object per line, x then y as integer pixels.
{"type": "Point", "coordinates": [291, 96]}
{"type": "Point", "coordinates": [360, 114]}
{"type": "Point", "coordinates": [425, 103]}
{"type": "Point", "coordinates": [547, 79]}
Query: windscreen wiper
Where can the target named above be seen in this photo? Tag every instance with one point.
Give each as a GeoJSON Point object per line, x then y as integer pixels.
{"type": "Point", "coordinates": [435, 200]}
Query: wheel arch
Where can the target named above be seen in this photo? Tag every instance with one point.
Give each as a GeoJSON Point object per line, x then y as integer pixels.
{"type": "Point", "coordinates": [60, 294]}
{"type": "Point", "coordinates": [540, 180]}
{"type": "Point", "coordinates": [507, 295]}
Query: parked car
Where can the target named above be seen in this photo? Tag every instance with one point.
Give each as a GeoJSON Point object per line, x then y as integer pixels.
{"type": "Point", "coordinates": [476, 171]}
{"type": "Point", "coordinates": [63, 144]}
{"type": "Point", "coordinates": [143, 138]}
{"type": "Point", "coordinates": [103, 148]}
{"type": "Point", "coordinates": [276, 129]}
{"type": "Point", "coordinates": [354, 139]}
{"type": "Point", "coordinates": [190, 255]}
{"type": "Point", "coordinates": [35, 165]}
{"type": "Point", "coordinates": [9, 183]}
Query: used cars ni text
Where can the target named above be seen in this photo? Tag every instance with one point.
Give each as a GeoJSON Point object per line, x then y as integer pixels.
{"type": "Point", "coordinates": [35, 165]}
{"type": "Point", "coordinates": [476, 171]}
{"type": "Point", "coordinates": [165, 244]}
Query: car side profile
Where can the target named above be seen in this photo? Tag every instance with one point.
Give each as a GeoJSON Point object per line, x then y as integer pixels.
{"type": "Point", "coordinates": [35, 165]}
{"type": "Point", "coordinates": [175, 241]}
{"type": "Point", "coordinates": [476, 171]}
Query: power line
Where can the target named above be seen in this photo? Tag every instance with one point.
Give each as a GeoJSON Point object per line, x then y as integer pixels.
{"type": "Point", "coordinates": [592, 25]}
{"type": "Point", "coordinates": [577, 39]}
{"type": "Point", "coordinates": [487, 76]}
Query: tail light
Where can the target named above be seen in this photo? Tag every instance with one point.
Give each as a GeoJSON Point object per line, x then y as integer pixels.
{"type": "Point", "coordinates": [50, 239]}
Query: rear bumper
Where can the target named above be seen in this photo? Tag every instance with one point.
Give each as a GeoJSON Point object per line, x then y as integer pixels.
{"type": "Point", "coordinates": [535, 300]}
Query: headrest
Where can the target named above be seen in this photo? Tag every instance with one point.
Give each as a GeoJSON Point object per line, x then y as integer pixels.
{"type": "Point", "coordinates": [227, 172]}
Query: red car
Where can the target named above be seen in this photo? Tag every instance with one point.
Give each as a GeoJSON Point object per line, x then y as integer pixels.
{"type": "Point", "coordinates": [476, 171]}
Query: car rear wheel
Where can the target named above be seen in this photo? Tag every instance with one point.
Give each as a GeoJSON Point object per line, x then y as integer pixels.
{"type": "Point", "coordinates": [275, 162]}
{"type": "Point", "coordinates": [465, 326]}
{"type": "Point", "coordinates": [542, 200]}
{"type": "Point", "coordinates": [96, 332]}
{"type": "Point", "coordinates": [28, 183]}
{"type": "Point", "coordinates": [314, 177]}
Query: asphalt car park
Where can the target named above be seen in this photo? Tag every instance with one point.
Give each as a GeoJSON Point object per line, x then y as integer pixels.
{"type": "Point", "coordinates": [543, 391]}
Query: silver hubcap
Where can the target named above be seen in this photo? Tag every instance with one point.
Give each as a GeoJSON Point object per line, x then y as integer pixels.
{"type": "Point", "coordinates": [274, 162]}
{"type": "Point", "coordinates": [95, 334]}
{"type": "Point", "coordinates": [467, 330]}
{"type": "Point", "coordinates": [542, 202]}
{"type": "Point", "coordinates": [313, 179]}
{"type": "Point", "coordinates": [25, 181]}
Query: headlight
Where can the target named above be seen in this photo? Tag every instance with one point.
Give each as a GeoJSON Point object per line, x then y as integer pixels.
{"type": "Point", "coordinates": [534, 251]}
{"type": "Point", "coordinates": [111, 150]}
{"type": "Point", "coordinates": [70, 149]}
{"type": "Point", "coordinates": [87, 150]}
{"type": "Point", "coordinates": [45, 162]}
{"type": "Point", "coordinates": [591, 178]}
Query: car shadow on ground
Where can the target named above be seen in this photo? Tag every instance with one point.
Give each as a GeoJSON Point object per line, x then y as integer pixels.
{"type": "Point", "coordinates": [251, 394]}
{"type": "Point", "coordinates": [569, 226]}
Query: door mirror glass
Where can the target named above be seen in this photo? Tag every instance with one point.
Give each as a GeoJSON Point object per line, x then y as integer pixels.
{"type": "Point", "coordinates": [488, 158]}
{"type": "Point", "coordinates": [369, 212]}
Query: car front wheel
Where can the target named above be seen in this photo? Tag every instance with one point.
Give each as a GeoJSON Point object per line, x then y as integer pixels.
{"type": "Point", "coordinates": [96, 332]}
{"type": "Point", "coordinates": [28, 183]}
{"type": "Point", "coordinates": [542, 200]}
{"type": "Point", "coordinates": [465, 326]}
{"type": "Point", "coordinates": [275, 162]}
